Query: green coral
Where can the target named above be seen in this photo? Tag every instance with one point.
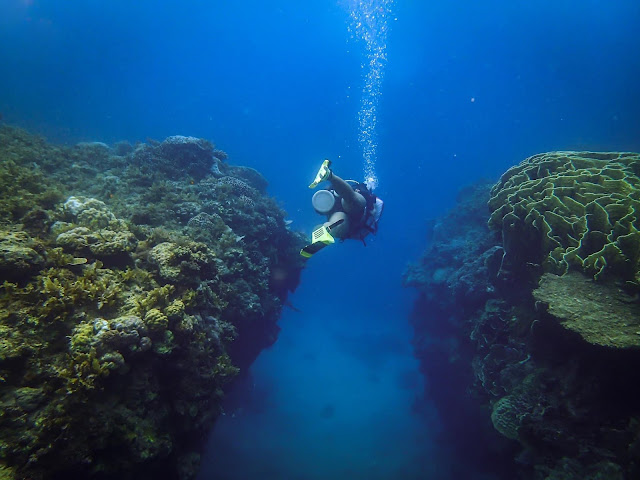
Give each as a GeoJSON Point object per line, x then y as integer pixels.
{"type": "Point", "coordinates": [7, 473]}
{"type": "Point", "coordinates": [175, 311]}
{"type": "Point", "coordinates": [166, 345]}
{"type": "Point", "coordinates": [156, 321]}
{"type": "Point", "coordinates": [225, 368]}
{"type": "Point", "coordinates": [569, 210]}
{"type": "Point", "coordinates": [56, 293]}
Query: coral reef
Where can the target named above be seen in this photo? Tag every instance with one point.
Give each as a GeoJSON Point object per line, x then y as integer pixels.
{"type": "Point", "coordinates": [135, 283]}
{"type": "Point", "coordinates": [537, 318]}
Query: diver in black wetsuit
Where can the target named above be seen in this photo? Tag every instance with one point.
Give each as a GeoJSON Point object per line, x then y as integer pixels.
{"type": "Point", "coordinates": [351, 208]}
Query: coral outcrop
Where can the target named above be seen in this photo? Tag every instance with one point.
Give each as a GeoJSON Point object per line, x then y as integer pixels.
{"type": "Point", "coordinates": [178, 155]}
{"type": "Point", "coordinates": [537, 317]}
{"type": "Point", "coordinates": [580, 209]}
{"type": "Point", "coordinates": [135, 282]}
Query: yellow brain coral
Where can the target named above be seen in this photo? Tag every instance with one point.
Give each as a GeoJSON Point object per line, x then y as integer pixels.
{"type": "Point", "coordinates": [571, 210]}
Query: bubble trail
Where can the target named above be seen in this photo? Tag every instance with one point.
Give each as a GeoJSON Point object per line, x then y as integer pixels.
{"type": "Point", "coordinates": [369, 24]}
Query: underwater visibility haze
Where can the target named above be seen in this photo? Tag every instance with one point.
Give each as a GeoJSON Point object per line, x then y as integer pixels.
{"type": "Point", "coordinates": [158, 321]}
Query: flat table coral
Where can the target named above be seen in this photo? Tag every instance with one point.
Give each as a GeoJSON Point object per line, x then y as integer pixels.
{"type": "Point", "coordinates": [600, 313]}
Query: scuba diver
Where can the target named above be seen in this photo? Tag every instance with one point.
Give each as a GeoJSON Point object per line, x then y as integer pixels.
{"type": "Point", "coordinates": [351, 208]}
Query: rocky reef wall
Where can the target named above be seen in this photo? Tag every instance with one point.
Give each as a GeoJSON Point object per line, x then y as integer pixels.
{"type": "Point", "coordinates": [528, 322]}
{"type": "Point", "coordinates": [135, 282]}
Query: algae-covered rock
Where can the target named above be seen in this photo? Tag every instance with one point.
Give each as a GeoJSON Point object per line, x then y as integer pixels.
{"type": "Point", "coordinates": [180, 262]}
{"type": "Point", "coordinates": [25, 183]}
{"type": "Point", "coordinates": [123, 334]}
{"type": "Point", "coordinates": [24, 399]}
{"type": "Point", "coordinates": [99, 234]}
{"type": "Point", "coordinates": [11, 346]}
{"type": "Point", "coordinates": [101, 244]}
{"type": "Point", "coordinates": [571, 210]}
{"type": "Point", "coordinates": [601, 313]}
{"type": "Point", "coordinates": [19, 256]}
{"type": "Point", "coordinates": [92, 213]}
{"type": "Point", "coordinates": [94, 209]}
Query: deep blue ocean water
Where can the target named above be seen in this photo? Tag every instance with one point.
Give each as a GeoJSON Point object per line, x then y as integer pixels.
{"type": "Point", "coordinates": [469, 89]}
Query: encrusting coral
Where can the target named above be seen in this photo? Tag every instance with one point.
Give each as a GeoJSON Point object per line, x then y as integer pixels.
{"type": "Point", "coordinates": [134, 284]}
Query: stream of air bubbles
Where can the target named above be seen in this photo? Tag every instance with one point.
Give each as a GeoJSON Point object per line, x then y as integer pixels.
{"type": "Point", "coordinates": [369, 23]}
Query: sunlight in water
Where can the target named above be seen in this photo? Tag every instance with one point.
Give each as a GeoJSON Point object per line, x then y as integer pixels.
{"type": "Point", "coordinates": [369, 23]}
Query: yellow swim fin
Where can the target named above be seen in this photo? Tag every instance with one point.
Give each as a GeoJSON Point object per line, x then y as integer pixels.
{"type": "Point", "coordinates": [322, 174]}
{"type": "Point", "coordinates": [320, 238]}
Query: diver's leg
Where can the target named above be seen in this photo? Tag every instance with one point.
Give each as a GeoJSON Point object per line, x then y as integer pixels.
{"type": "Point", "coordinates": [339, 231]}
{"type": "Point", "coordinates": [352, 202]}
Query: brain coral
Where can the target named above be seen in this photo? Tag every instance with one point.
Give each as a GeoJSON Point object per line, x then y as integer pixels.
{"type": "Point", "coordinates": [505, 417]}
{"type": "Point", "coordinates": [571, 210]}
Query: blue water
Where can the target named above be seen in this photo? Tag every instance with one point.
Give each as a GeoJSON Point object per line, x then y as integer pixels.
{"type": "Point", "coordinates": [469, 89]}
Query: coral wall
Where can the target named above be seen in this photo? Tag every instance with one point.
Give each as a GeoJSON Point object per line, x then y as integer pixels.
{"type": "Point", "coordinates": [527, 324]}
{"type": "Point", "coordinates": [136, 281]}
